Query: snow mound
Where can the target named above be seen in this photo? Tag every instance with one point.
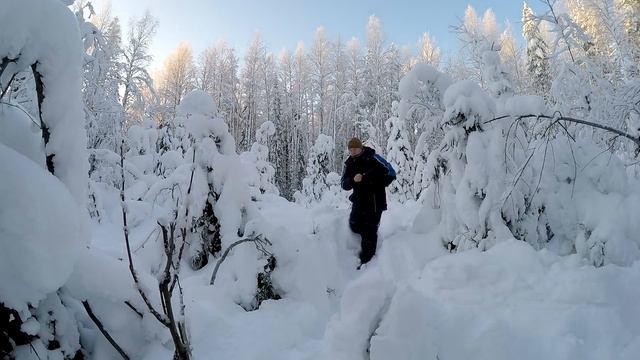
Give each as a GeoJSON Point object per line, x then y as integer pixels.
{"type": "Point", "coordinates": [42, 230]}
{"type": "Point", "coordinates": [512, 302]}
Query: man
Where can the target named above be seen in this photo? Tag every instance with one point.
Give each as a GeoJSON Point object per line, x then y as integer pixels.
{"type": "Point", "coordinates": [364, 172]}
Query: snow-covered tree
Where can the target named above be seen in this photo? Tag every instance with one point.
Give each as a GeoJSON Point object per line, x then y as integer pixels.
{"type": "Point", "coordinates": [481, 47]}
{"type": "Point", "coordinates": [372, 91]}
{"type": "Point", "coordinates": [464, 191]}
{"type": "Point", "coordinates": [175, 79]}
{"type": "Point", "coordinates": [420, 107]}
{"type": "Point", "coordinates": [302, 139]}
{"type": "Point", "coordinates": [512, 59]}
{"type": "Point", "coordinates": [209, 151]}
{"type": "Point", "coordinates": [538, 67]}
{"type": "Point", "coordinates": [252, 91]}
{"type": "Point", "coordinates": [400, 156]}
{"type": "Point", "coordinates": [314, 184]}
{"type": "Point", "coordinates": [341, 125]}
{"type": "Point", "coordinates": [320, 71]}
{"type": "Point", "coordinates": [136, 58]}
{"type": "Point", "coordinates": [258, 158]}
{"type": "Point", "coordinates": [101, 81]}
{"type": "Point", "coordinates": [428, 51]}
{"type": "Point", "coordinates": [629, 13]}
{"type": "Point", "coordinates": [351, 96]}
{"type": "Point", "coordinates": [217, 74]}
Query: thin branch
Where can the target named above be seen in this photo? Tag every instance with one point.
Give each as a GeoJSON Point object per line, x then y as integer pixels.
{"type": "Point", "coordinates": [21, 109]}
{"type": "Point", "coordinates": [564, 37]}
{"type": "Point", "coordinates": [104, 332]}
{"type": "Point", "coordinates": [544, 163]}
{"type": "Point", "coordinates": [176, 273]}
{"type": "Point", "coordinates": [46, 134]}
{"type": "Point", "coordinates": [162, 319]}
{"type": "Point", "coordinates": [147, 239]}
{"type": "Point", "coordinates": [4, 92]}
{"type": "Point", "coordinates": [259, 243]}
{"type": "Point", "coordinates": [183, 230]}
{"type": "Point", "coordinates": [181, 344]}
{"type": "Point", "coordinates": [128, 303]}
{"type": "Point", "coordinates": [224, 256]}
{"type": "Point", "coordinates": [518, 176]}
{"type": "Point", "coordinates": [636, 140]}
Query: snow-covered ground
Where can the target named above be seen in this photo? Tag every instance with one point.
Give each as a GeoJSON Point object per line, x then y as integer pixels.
{"type": "Point", "coordinates": [413, 301]}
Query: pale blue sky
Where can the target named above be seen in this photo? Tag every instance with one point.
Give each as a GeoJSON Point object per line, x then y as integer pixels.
{"type": "Point", "coordinates": [283, 23]}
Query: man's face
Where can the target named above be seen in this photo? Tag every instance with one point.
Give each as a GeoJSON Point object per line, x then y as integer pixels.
{"type": "Point", "coordinates": [355, 151]}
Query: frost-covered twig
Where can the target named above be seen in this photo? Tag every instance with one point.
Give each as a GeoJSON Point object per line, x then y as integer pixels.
{"type": "Point", "coordinates": [104, 332]}
{"type": "Point", "coordinates": [259, 242]}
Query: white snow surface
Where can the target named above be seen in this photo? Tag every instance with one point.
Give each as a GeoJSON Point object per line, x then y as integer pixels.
{"type": "Point", "coordinates": [42, 230]}
{"type": "Point", "coordinates": [46, 32]}
{"type": "Point", "coordinates": [21, 133]}
{"type": "Point", "coordinates": [413, 301]}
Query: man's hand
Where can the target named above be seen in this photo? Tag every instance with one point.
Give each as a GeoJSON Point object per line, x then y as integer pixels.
{"type": "Point", "coordinates": [357, 178]}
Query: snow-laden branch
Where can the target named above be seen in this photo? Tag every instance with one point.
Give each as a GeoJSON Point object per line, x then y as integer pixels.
{"type": "Point", "coordinates": [619, 132]}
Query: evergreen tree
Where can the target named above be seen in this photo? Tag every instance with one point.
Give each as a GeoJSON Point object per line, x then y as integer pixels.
{"type": "Point", "coordinates": [259, 157]}
{"type": "Point", "coordinates": [537, 55]}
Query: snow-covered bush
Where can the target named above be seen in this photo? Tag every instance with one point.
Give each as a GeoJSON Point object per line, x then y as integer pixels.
{"type": "Point", "coordinates": [335, 195]}
{"type": "Point", "coordinates": [206, 178]}
{"type": "Point", "coordinates": [494, 178]}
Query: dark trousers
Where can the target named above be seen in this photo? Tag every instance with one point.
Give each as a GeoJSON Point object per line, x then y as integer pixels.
{"type": "Point", "coordinates": [365, 223]}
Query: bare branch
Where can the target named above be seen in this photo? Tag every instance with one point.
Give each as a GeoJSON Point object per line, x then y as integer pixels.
{"type": "Point", "coordinates": [104, 332]}
{"type": "Point", "coordinates": [259, 243]}
{"type": "Point", "coordinates": [161, 318]}
{"type": "Point", "coordinates": [128, 303]}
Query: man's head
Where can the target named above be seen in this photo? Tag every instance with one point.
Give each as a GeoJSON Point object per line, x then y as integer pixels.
{"type": "Point", "coordinates": [355, 147]}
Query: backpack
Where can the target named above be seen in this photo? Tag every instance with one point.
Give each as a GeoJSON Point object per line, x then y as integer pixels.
{"type": "Point", "coordinates": [390, 173]}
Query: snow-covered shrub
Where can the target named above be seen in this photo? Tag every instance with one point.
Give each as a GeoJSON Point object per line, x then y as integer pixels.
{"type": "Point", "coordinates": [206, 174]}
{"type": "Point", "coordinates": [493, 179]}
{"type": "Point", "coordinates": [335, 196]}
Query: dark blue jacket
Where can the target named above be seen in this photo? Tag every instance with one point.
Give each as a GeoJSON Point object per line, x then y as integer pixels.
{"type": "Point", "coordinates": [368, 195]}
